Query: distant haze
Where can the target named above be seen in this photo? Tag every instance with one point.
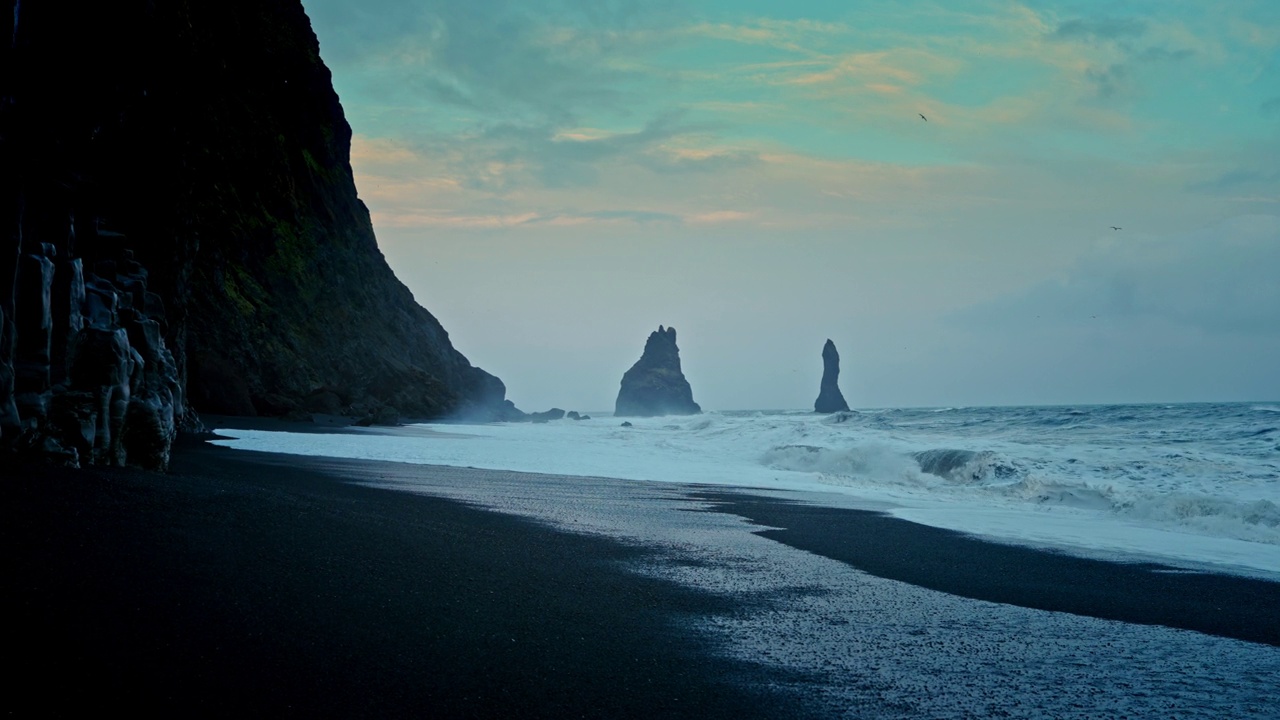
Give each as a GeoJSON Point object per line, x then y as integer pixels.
{"type": "Point", "coordinates": [553, 180]}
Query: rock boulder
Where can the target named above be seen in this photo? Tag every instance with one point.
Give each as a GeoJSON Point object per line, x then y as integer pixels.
{"type": "Point", "coordinates": [655, 385]}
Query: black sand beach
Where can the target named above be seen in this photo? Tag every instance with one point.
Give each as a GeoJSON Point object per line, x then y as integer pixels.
{"type": "Point", "coordinates": [232, 587]}
{"type": "Point", "coordinates": [1148, 594]}
{"type": "Point", "coordinates": [249, 584]}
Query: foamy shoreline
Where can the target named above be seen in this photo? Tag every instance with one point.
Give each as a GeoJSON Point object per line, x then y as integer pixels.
{"type": "Point", "coordinates": [727, 450]}
{"type": "Point", "coordinates": [254, 583]}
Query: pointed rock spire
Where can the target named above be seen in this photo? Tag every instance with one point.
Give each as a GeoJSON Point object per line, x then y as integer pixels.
{"type": "Point", "coordinates": [829, 398]}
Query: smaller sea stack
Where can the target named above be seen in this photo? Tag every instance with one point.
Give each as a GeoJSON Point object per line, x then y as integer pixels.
{"type": "Point", "coordinates": [655, 385]}
{"type": "Point", "coordinates": [829, 398]}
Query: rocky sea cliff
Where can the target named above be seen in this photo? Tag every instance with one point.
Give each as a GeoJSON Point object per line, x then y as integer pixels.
{"type": "Point", "coordinates": [180, 230]}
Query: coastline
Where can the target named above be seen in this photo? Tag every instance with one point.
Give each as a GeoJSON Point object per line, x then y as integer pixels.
{"type": "Point", "coordinates": [1144, 593]}
{"type": "Point", "coordinates": [252, 582]}
{"type": "Point", "coordinates": [1126, 503]}
{"type": "Point", "coordinates": [243, 587]}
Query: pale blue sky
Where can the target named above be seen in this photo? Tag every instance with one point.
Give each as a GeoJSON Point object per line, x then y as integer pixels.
{"type": "Point", "coordinates": [554, 180]}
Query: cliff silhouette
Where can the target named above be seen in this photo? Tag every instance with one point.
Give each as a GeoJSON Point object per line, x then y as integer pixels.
{"type": "Point", "coordinates": [187, 164]}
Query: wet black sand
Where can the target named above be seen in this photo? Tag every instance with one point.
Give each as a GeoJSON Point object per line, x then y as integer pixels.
{"type": "Point", "coordinates": [230, 587]}
{"type": "Point", "coordinates": [1149, 594]}
{"type": "Point", "coordinates": [234, 586]}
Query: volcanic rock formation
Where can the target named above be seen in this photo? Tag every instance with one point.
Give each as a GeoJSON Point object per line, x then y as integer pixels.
{"type": "Point", "coordinates": [179, 228]}
{"type": "Point", "coordinates": [829, 398]}
{"type": "Point", "coordinates": [655, 385]}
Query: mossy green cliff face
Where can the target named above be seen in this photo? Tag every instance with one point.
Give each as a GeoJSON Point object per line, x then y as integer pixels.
{"type": "Point", "coordinates": [203, 140]}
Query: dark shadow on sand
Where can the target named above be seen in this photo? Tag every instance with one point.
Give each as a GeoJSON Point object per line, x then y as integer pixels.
{"type": "Point", "coordinates": [230, 587]}
{"type": "Point", "coordinates": [951, 562]}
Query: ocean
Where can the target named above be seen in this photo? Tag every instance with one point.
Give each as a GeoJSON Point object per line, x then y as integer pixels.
{"type": "Point", "coordinates": [1193, 485]}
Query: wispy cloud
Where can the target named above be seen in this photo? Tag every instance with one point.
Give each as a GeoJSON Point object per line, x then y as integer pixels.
{"type": "Point", "coordinates": [1258, 33]}
{"type": "Point", "coordinates": [1115, 54]}
{"type": "Point", "coordinates": [539, 60]}
{"type": "Point", "coordinates": [1230, 265]}
{"type": "Point", "coordinates": [1098, 29]}
{"type": "Point", "coordinates": [798, 36]}
{"type": "Point", "coordinates": [720, 216]}
{"type": "Point", "coordinates": [879, 75]}
{"type": "Point", "coordinates": [1109, 81]}
{"type": "Point", "coordinates": [902, 66]}
{"type": "Point", "coordinates": [685, 160]}
{"type": "Point", "coordinates": [525, 129]}
{"type": "Point", "coordinates": [1234, 180]}
{"type": "Point", "coordinates": [418, 219]}
{"type": "Point", "coordinates": [642, 217]}
{"type": "Point", "coordinates": [1160, 53]}
{"type": "Point", "coordinates": [555, 156]}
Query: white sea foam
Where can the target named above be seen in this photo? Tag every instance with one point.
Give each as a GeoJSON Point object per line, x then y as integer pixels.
{"type": "Point", "coordinates": [1146, 481]}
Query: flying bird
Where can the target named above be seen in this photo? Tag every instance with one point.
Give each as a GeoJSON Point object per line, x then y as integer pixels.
{"type": "Point", "coordinates": [1113, 227]}
{"type": "Point", "coordinates": [922, 117]}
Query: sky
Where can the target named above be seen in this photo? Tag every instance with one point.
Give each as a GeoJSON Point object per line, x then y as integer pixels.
{"type": "Point", "coordinates": [554, 179]}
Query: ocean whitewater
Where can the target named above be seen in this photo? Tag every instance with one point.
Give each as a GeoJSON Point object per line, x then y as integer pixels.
{"type": "Point", "coordinates": [1193, 485]}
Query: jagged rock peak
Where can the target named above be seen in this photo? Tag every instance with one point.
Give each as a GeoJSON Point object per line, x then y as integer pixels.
{"type": "Point", "coordinates": [655, 385]}
{"type": "Point", "coordinates": [830, 399]}
{"type": "Point", "coordinates": [194, 159]}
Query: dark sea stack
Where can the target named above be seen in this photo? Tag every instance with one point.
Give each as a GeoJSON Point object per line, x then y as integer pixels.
{"type": "Point", "coordinates": [829, 398]}
{"type": "Point", "coordinates": [547, 416]}
{"type": "Point", "coordinates": [179, 229]}
{"type": "Point", "coordinates": [655, 385]}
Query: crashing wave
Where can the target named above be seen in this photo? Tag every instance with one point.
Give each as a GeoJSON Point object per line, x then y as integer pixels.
{"type": "Point", "coordinates": [703, 423]}
{"type": "Point", "coordinates": [871, 461]}
{"type": "Point", "coordinates": [965, 466]}
{"type": "Point", "coordinates": [1045, 492]}
{"type": "Point", "coordinates": [1258, 520]}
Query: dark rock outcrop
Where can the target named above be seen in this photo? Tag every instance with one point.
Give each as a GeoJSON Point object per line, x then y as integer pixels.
{"type": "Point", "coordinates": [179, 227]}
{"type": "Point", "coordinates": [94, 382]}
{"type": "Point", "coordinates": [655, 385]}
{"type": "Point", "coordinates": [546, 416]}
{"type": "Point", "coordinates": [829, 398]}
